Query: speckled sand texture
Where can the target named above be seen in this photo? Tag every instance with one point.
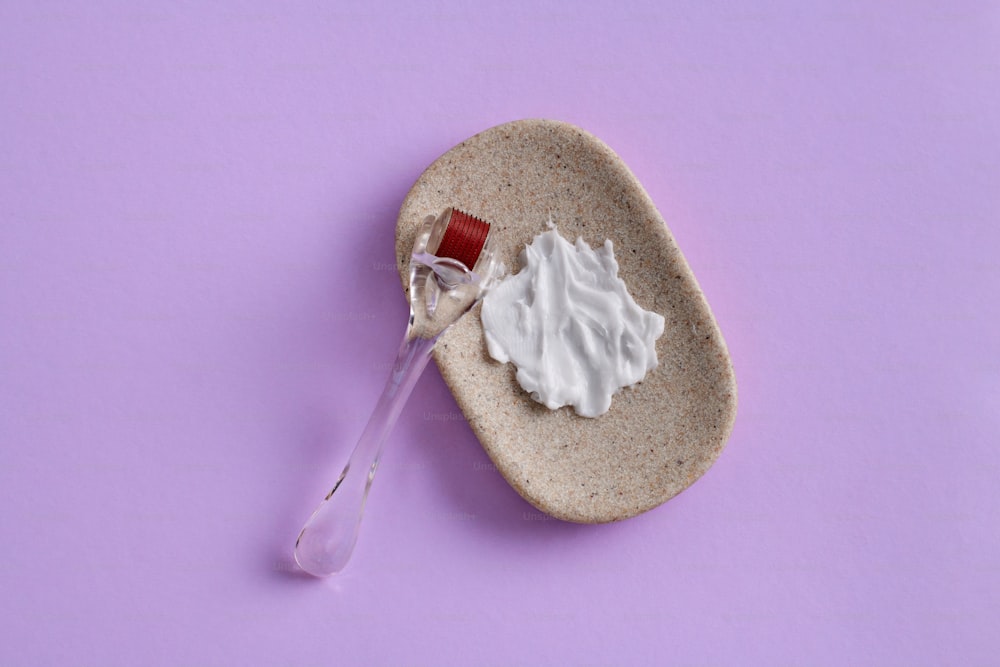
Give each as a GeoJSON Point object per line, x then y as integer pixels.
{"type": "Point", "coordinates": [660, 435]}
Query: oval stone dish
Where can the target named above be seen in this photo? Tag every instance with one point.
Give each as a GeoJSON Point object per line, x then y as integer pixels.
{"type": "Point", "coordinates": [660, 435]}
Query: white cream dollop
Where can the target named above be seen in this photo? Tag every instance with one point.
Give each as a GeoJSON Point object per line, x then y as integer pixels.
{"type": "Point", "coordinates": [570, 326]}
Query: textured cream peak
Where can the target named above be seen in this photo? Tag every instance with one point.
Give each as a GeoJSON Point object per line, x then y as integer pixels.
{"type": "Point", "coordinates": [569, 324]}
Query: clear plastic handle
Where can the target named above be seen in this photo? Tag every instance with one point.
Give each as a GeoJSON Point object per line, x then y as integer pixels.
{"type": "Point", "coordinates": [327, 540]}
{"type": "Point", "coordinates": [442, 289]}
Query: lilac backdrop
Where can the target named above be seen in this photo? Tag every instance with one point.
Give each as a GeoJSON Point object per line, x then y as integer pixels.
{"type": "Point", "coordinates": [198, 306]}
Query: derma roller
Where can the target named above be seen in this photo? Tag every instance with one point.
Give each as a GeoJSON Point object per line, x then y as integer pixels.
{"type": "Point", "coordinates": [451, 268]}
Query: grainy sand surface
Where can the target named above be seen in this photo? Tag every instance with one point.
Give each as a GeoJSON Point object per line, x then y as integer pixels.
{"type": "Point", "coordinates": [660, 435]}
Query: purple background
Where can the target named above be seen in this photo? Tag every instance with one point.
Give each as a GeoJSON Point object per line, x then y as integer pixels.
{"type": "Point", "coordinates": [198, 308]}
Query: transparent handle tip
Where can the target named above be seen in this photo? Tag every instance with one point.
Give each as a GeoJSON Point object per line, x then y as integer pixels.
{"type": "Point", "coordinates": [328, 538]}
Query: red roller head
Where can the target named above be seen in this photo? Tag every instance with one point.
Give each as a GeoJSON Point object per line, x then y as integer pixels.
{"type": "Point", "coordinates": [463, 238]}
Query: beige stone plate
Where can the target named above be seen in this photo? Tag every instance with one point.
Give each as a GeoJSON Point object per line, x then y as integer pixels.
{"type": "Point", "coordinates": [660, 435]}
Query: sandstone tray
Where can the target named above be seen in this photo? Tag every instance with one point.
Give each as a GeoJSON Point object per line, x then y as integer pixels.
{"type": "Point", "coordinates": [660, 435]}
